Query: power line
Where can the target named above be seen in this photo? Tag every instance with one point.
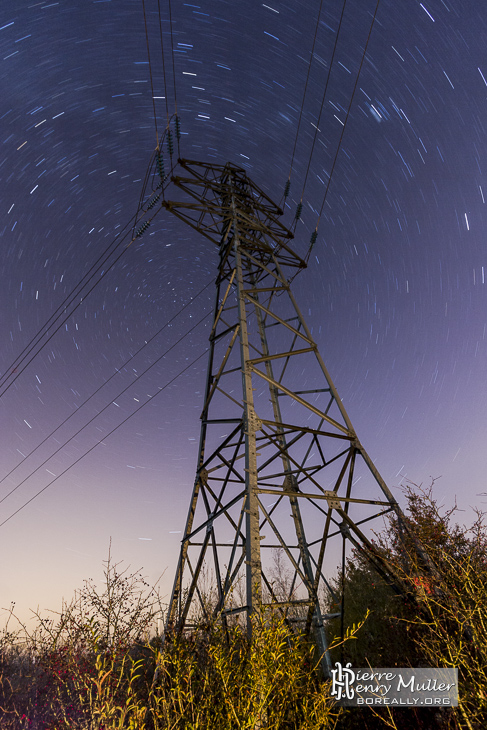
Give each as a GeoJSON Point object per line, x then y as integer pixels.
{"type": "Point", "coordinates": [300, 204]}
{"type": "Point", "coordinates": [163, 63]}
{"type": "Point", "coordinates": [288, 183]}
{"type": "Point", "coordinates": [174, 83]}
{"type": "Point", "coordinates": [64, 304]}
{"type": "Point", "coordinates": [150, 73]}
{"type": "Point", "coordinates": [68, 316]}
{"type": "Point", "coordinates": [61, 310]}
{"type": "Point", "coordinates": [102, 410]}
{"type": "Point", "coordinates": [117, 372]}
{"type": "Point", "coordinates": [315, 232]}
{"type": "Point", "coordinates": [103, 439]}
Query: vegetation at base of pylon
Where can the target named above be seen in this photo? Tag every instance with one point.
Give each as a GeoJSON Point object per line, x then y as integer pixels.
{"type": "Point", "coordinates": [99, 666]}
{"type": "Point", "coordinates": [205, 680]}
{"type": "Point", "coordinates": [444, 626]}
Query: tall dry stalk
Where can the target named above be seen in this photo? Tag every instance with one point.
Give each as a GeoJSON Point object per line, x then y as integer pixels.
{"type": "Point", "coordinates": [92, 667]}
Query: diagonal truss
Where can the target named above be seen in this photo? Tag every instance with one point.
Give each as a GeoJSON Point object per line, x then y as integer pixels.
{"type": "Point", "coordinates": [279, 465]}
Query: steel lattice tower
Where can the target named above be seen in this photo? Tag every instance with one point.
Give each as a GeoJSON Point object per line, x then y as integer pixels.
{"type": "Point", "coordinates": [279, 463]}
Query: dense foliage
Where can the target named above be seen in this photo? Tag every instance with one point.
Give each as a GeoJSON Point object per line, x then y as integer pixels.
{"type": "Point", "coordinates": [443, 621]}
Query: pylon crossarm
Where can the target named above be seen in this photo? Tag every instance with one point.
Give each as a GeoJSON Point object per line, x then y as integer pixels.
{"type": "Point", "coordinates": [222, 172]}
{"type": "Point", "coordinates": [200, 187]}
{"type": "Point", "coordinates": [197, 225]}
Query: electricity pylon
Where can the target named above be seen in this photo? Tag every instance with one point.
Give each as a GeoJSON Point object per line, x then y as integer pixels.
{"type": "Point", "coordinates": [279, 463]}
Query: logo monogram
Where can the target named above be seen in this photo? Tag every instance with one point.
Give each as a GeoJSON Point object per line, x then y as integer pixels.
{"type": "Point", "coordinates": [342, 680]}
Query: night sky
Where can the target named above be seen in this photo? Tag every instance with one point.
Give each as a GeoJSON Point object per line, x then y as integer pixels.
{"type": "Point", "coordinates": [395, 290]}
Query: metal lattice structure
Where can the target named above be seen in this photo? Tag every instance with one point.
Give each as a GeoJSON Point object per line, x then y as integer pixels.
{"type": "Point", "coordinates": [279, 464]}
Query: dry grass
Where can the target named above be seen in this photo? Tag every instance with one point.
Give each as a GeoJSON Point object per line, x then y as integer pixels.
{"type": "Point", "coordinates": [214, 679]}
{"type": "Point", "coordinates": [96, 667]}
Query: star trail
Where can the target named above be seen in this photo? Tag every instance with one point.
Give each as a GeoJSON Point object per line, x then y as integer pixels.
{"type": "Point", "coordinates": [375, 114]}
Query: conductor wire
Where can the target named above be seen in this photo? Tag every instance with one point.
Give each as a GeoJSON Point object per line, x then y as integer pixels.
{"type": "Point", "coordinates": [315, 233]}
{"type": "Point", "coordinates": [322, 104]}
{"type": "Point", "coordinates": [163, 64]}
{"type": "Point", "coordinates": [150, 74]}
{"type": "Point", "coordinates": [117, 372]}
{"type": "Point", "coordinates": [304, 96]}
{"type": "Point", "coordinates": [98, 414]}
{"type": "Point", "coordinates": [103, 439]}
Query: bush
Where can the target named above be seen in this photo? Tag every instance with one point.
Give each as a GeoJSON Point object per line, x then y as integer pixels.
{"type": "Point", "coordinates": [99, 667]}
{"type": "Point", "coordinates": [444, 621]}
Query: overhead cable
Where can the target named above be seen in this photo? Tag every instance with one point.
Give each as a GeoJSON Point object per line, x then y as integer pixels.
{"type": "Point", "coordinates": [77, 291]}
{"type": "Point", "coordinates": [314, 234]}
{"type": "Point", "coordinates": [150, 74]}
{"type": "Point", "coordinates": [288, 183]}
{"type": "Point", "coordinates": [300, 204]}
{"type": "Point", "coordinates": [160, 390]}
{"type": "Point", "coordinates": [117, 372]}
{"type": "Point", "coordinates": [103, 410]}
